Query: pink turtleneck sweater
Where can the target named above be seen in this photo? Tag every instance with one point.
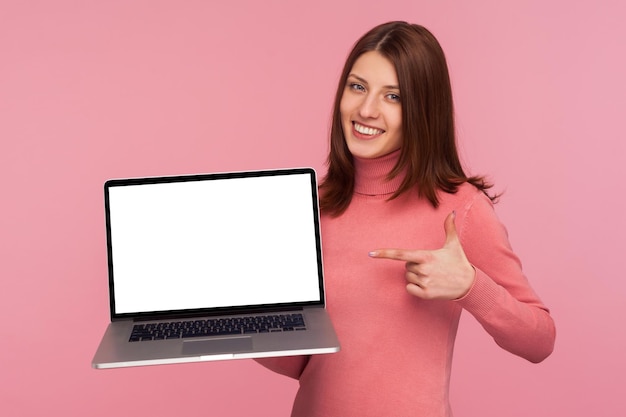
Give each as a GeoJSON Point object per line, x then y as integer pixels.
{"type": "Point", "coordinates": [396, 349]}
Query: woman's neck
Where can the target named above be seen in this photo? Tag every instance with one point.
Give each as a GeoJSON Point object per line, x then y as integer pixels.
{"type": "Point", "coordinates": [371, 175]}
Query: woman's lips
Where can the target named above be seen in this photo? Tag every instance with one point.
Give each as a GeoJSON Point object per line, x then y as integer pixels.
{"type": "Point", "coordinates": [366, 132]}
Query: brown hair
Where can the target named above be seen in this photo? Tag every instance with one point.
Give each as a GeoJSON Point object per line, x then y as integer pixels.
{"type": "Point", "coordinates": [428, 153]}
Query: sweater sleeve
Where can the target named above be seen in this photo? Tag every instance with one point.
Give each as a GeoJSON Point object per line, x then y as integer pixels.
{"type": "Point", "coordinates": [291, 366]}
{"type": "Point", "coordinates": [501, 298]}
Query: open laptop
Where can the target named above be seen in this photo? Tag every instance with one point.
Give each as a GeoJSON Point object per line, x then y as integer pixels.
{"type": "Point", "coordinates": [214, 267]}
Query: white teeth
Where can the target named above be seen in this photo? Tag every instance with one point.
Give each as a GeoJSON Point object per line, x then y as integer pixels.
{"type": "Point", "coordinates": [364, 130]}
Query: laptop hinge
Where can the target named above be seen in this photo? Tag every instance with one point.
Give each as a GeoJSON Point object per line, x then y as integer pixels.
{"type": "Point", "coordinates": [178, 316]}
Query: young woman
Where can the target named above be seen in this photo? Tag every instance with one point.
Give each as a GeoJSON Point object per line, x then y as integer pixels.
{"type": "Point", "coordinates": [409, 242]}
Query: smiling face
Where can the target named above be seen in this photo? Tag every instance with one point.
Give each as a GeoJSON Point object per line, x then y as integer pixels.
{"type": "Point", "coordinates": [371, 114]}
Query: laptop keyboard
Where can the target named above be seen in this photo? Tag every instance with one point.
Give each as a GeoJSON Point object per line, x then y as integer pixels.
{"type": "Point", "coordinates": [218, 327]}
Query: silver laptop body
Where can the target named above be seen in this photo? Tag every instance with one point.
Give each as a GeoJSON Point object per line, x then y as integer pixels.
{"type": "Point", "coordinates": [214, 267]}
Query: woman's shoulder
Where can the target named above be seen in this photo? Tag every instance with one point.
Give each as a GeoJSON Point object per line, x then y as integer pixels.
{"type": "Point", "coordinates": [466, 195]}
{"type": "Point", "coordinates": [476, 217]}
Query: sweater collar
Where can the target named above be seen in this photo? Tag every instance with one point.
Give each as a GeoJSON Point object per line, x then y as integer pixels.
{"type": "Point", "coordinates": [371, 175]}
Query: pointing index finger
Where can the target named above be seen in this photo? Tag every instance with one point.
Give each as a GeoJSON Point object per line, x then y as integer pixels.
{"type": "Point", "coordinates": [397, 254]}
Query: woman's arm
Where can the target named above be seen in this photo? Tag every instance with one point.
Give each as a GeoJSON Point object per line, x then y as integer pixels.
{"type": "Point", "coordinates": [501, 298]}
{"type": "Point", "coordinates": [291, 366]}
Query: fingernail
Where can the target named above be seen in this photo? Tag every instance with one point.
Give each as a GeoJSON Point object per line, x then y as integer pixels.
{"type": "Point", "coordinates": [373, 253]}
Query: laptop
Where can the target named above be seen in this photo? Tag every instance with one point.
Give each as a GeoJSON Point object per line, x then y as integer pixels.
{"type": "Point", "coordinates": [214, 267]}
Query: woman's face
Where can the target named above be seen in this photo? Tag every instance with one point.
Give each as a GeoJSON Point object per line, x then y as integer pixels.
{"type": "Point", "coordinates": [371, 114]}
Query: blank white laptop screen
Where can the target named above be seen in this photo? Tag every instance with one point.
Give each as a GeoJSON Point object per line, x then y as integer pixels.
{"type": "Point", "coordinates": [213, 243]}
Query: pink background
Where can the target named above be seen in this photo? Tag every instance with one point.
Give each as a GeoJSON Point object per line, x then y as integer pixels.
{"type": "Point", "coordinates": [96, 89]}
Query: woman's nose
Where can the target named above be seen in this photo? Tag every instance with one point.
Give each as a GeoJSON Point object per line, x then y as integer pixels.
{"type": "Point", "coordinates": [369, 107]}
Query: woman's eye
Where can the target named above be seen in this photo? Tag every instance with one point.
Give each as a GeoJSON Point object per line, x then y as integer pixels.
{"type": "Point", "coordinates": [356, 87]}
{"type": "Point", "coordinates": [394, 97]}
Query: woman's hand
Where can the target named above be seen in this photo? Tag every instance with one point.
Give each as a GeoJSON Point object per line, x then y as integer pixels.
{"type": "Point", "coordinates": [443, 274]}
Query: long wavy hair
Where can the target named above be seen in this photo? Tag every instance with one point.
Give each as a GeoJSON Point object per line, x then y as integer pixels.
{"type": "Point", "coordinates": [428, 155]}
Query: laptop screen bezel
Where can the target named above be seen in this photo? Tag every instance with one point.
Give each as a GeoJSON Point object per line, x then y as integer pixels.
{"type": "Point", "coordinates": [214, 311]}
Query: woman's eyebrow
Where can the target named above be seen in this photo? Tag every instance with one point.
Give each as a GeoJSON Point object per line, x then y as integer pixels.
{"type": "Point", "coordinates": [360, 79]}
{"type": "Point", "coordinates": [363, 81]}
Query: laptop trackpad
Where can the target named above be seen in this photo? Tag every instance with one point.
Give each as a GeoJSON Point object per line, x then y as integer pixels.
{"type": "Point", "coordinates": [207, 347]}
